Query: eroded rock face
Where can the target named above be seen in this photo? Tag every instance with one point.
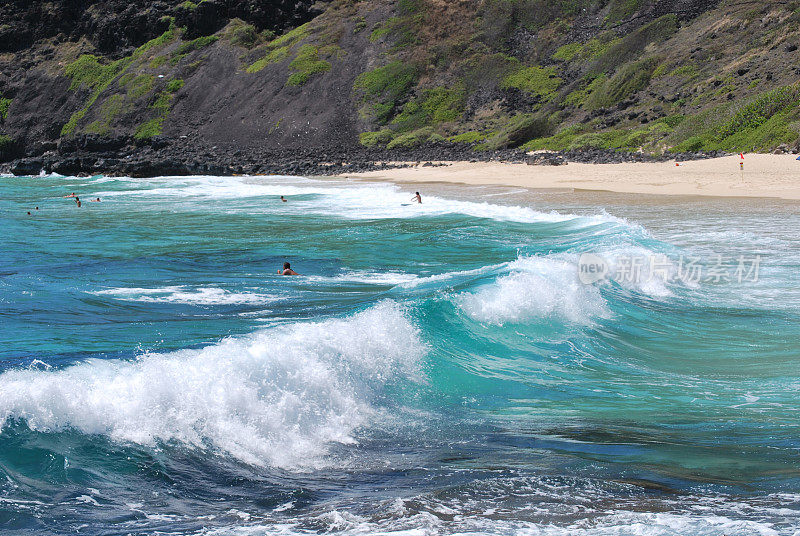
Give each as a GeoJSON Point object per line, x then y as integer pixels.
{"type": "Point", "coordinates": [116, 25]}
{"type": "Point", "coordinates": [211, 87]}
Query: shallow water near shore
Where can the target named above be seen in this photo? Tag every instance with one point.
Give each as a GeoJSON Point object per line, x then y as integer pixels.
{"type": "Point", "coordinates": [437, 368]}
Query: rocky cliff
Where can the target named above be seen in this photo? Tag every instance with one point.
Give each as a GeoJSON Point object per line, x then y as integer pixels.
{"type": "Point", "coordinates": [231, 85]}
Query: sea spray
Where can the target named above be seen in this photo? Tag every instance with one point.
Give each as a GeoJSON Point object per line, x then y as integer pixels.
{"type": "Point", "coordinates": [276, 397]}
{"type": "Point", "coordinates": [535, 288]}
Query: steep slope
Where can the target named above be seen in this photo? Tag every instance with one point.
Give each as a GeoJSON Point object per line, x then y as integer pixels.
{"type": "Point", "coordinates": [244, 81]}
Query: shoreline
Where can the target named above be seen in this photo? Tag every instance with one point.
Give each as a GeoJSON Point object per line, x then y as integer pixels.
{"type": "Point", "coordinates": [764, 176]}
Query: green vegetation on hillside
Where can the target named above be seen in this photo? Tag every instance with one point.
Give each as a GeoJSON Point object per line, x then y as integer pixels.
{"type": "Point", "coordinates": [197, 44]}
{"type": "Point", "coordinates": [411, 139]}
{"type": "Point", "coordinates": [140, 86]}
{"type": "Point", "coordinates": [539, 81]}
{"type": "Point", "coordinates": [564, 74]}
{"type": "Point", "coordinates": [154, 127]}
{"type": "Point", "coordinates": [622, 9]}
{"type": "Point", "coordinates": [437, 105]}
{"type": "Point", "coordinates": [278, 49]}
{"type": "Point", "coordinates": [175, 85]}
{"type": "Point", "coordinates": [5, 142]}
{"type": "Point", "coordinates": [240, 33]}
{"type": "Point", "coordinates": [89, 72]}
{"type": "Point", "coordinates": [305, 65]}
{"type": "Point", "coordinates": [381, 90]}
{"type": "Point", "coordinates": [5, 104]}
{"type": "Point", "coordinates": [626, 81]}
{"type": "Point", "coordinates": [766, 120]}
{"type": "Point", "coordinates": [109, 110]}
{"type": "Point", "coordinates": [371, 139]}
{"type": "Point", "coordinates": [630, 139]}
{"type": "Point", "coordinates": [273, 56]}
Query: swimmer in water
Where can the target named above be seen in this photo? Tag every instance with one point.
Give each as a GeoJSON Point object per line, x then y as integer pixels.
{"type": "Point", "coordinates": [287, 270]}
{"type": "Point", "coordinates": [70, 195]}
{"type": "Point", "coordinates": [417, 198]}
{"type": "Point", "coordinates": [95, 200]}
{"type": "Point", "coordinates": [284, 199]}
{"type": "Point", "coordinates": [78, 201]}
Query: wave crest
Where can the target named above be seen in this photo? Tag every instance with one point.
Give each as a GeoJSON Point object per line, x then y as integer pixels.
{"type": "Point", "coordinates": [536, 287]}
{"type": "Point", "coordinates": [278, 397]}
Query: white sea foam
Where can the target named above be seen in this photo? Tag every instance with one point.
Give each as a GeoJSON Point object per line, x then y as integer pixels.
{"type": "Point", "coordinates": [534, 287]}
{"type": "Point", "coordinates": [630, 266]}
{"type": "Point", "coordinates": [187, 295]}
{"type": "Point", "coordinates": [340, 199]}
{"type": "Point", "coordinates": [208, 187]}
{"type": "Point", "coordinates": [280, 396]}
{"type": "Point", "coordinates": [365, 277]}
{"type": "Point", "coordinates": [621, 523]}
{"type": "Point", "coordinates": [543, 506]}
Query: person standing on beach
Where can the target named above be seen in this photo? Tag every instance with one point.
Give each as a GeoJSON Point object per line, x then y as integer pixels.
{"type": "Point", "coordinates": [417, 198]}
{"type": "Point", "coordinates": [287, 270]}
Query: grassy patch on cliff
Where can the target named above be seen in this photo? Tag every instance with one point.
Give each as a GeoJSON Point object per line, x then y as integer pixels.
{"type": "Point", "coordinates": [273, 56]}
{"type": "Point", "coordinates": [518, 130]}
{"type": "Point", "coordinates": [196, 44]}
{"type": "Point", "coordinates": [176, 85]}
{"type": "Point", "coordinates": [760, 124]}
{"type": "Point", "coordinates": [592, 49]}
{"type": "Point", "coordinates": [109, 110]}
{"type": "Point", "coordinates": [539, 81]}
{"type": "Point", "coordinates": [411, 139]}
{"type": "Point", "coordinates": [382, 89]}
{"type": "Point", "coordinates": [385, 28]}
{"type": "Point", "coordinates": [622, 9]}
{"type": "Point", "coordinates": [628, 80]}
{"type": "Point", "coordinates": [305, 65]}
{"type": "Point", "coordinates": [87, 71]}
{"type": "Point", "coordinates": [240, 33]}
{"type": "Point", "coordinates": [5, 142]}
{"type": "Point", "coordinates": [575, 137]}
{"type": "Point", "coordinates": [140, 86]}
{"type": "Point", "coordinates": [437, 105]}
{"type": "Point", "coordinates": [631, 47]}
{"type": "Point", "coordinates": [278, 49]}
{"type": "Point", "coordinates": [155, 126]}
{"type": "Point", "coordinates": [188, 47]}
{"type": "Point", "coordinates": [469, 137]}
{"type": "Point", "coordinates": [5, 104]}
{"type": "Point", "coordinates": [378, 138]}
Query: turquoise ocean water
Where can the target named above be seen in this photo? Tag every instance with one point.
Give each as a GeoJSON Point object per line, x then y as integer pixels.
{"type": "Point", "coordinates": [436, 369]}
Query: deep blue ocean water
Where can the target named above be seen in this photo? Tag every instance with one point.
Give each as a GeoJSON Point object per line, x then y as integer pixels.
{"type": "Point", "coordinates": [436, 369]}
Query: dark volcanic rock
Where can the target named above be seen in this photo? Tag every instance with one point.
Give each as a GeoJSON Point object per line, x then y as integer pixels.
{"type": "Point", "coordinates": [27, 166]}
{"type": "Point", "coordinates": [116, 25]}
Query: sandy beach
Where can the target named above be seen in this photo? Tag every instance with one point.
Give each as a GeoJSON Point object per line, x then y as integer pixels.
{"type": "Point", "coordinates": [764, 175]}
